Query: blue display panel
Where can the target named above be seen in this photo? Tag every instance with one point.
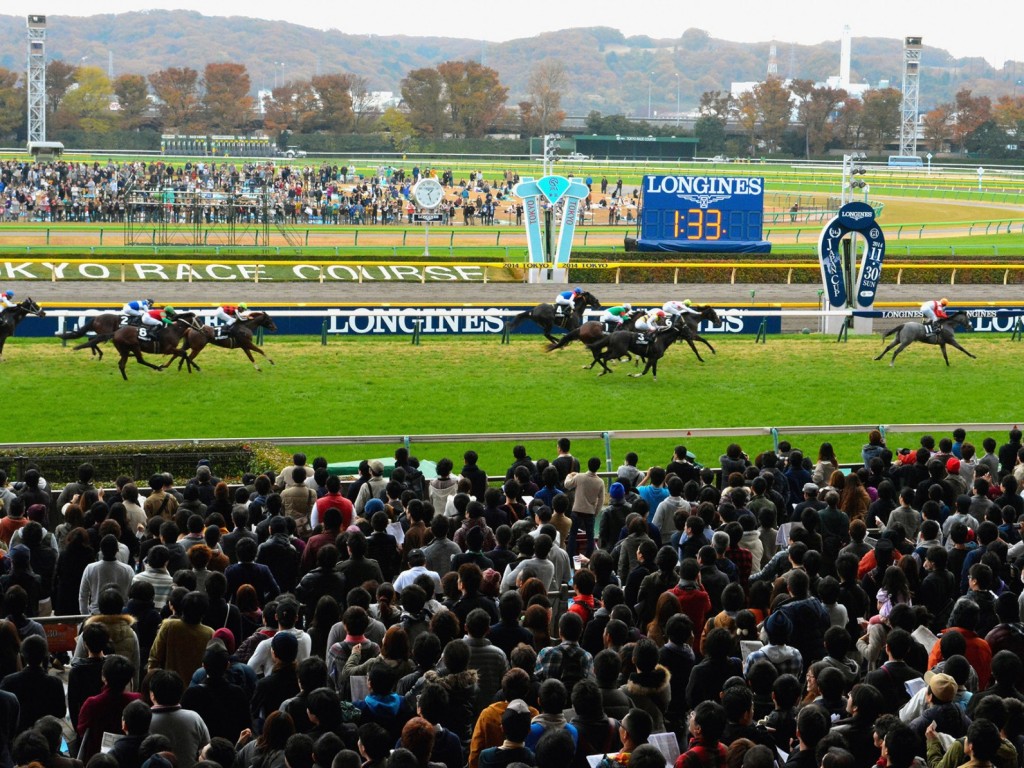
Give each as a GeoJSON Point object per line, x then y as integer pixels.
{"type": "Point", "coordinates": [708, 214]}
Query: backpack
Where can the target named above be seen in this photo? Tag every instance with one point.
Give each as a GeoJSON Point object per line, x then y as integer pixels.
{"type": "Point", "coordinates": [573, 666]}
{"type": "Point", "coordinates": [587, 608]}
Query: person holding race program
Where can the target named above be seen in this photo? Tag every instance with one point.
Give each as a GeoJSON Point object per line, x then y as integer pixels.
{"type": "Point", "coordinates": [565, 301]}
{"type": "Point", "coordinates": [613, 317]}
{"type": "Point", "coordinates": [932, 311]}
{"type": "Point", "coordinates": [229, 314]}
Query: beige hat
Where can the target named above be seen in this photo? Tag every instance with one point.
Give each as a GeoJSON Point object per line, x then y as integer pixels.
{"type": "Point", "coordinates": [942, 686]}
{"type": "Point", "coordinates": [376, 467]}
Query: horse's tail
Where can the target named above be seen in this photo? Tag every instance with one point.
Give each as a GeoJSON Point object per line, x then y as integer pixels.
{"type": "Point", "coordinates": [83, 329]}
{"type": "Point", "coordinates": [567, 338]}
{"type": "Point", "coordinates": [95, 341]}
{"type": "Point", "coordinates": [600, 344]}
{"type": "Point", "coordinates": [891, 331]}
{"type": "Point", "coordinates": [515, 321]}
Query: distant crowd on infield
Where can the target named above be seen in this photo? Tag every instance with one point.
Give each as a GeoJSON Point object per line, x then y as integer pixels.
{"type": "Point", "coordinates": [793, 609]}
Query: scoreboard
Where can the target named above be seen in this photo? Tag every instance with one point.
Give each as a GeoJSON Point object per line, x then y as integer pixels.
{"type": "Point", "coordinates": [702, 214]}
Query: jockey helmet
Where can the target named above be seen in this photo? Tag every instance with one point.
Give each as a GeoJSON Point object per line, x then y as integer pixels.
{"type": "Point", "coordinates": [9, 294]}
{"type": "Point", "coordinates": [148, 302]}
{"type": "Point", "coordinates": [659, 313]}
{"type": "Point", "coordinates": [687, 302]}
{"type": "Point", "coordinates": [944, 301]}
{"type": "Point", "coordinates": [243, 306]}
{"type": "Point", "coordinates": [577, 290]}
{"type": "Point", "coordinates": [169, 311]}
{"type": "Point", "coordinates": [627, 307]}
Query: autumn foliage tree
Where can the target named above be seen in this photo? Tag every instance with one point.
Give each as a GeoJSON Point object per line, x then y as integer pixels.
{"type": "Point", "coordinates": [334, 97]}
{"type": "Point", "coordinates": [132, 101]}
{"type": "Point", "coordinates": [423, 92]}
{"type": "Point", "coordinates": [473, 94]}
{"type": "Point", "coordinates": [226, 103]}
{"type": "Point", "coordinates": [87, 105]}
{"type": "Point", "coordinates": [544, 112]}
{"type": "Point", "coordinates": [177, 88]}
{"type": "Point", "coordinates": [60, 76]}
{"type": "Point", "coordinates": [969, 113]}
{"type": "Point", "coordinates": [936, 126]}
{"type": "Point", "coordinates": [12, 103]}
{"type": "Point", "coordinates": [880, 117]}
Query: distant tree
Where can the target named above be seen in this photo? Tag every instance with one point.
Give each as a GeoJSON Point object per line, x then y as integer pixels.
{"type": "Point", "coordinates": [334, 92]}
{"type": "Point", "coordinates": [529, 120]}
{"type": "Point", "coordinates": [363, 111]}
{"type": "Point", "coordinates": [1009, 115]}
{"type": "Point", "coordinates": [716, 104]}
{"type": "Point", "coordinates": [178, 92]}
{"type": "Point", "coordinates": [226, 102]}
{"type": "Point", "coordinates": [847, 129]}
{"type": "Point", "coordinates": [59, 77]}
{"type": "Point", "coordinates": [12, 104]}
{"type": "Point", "coordinates": [937, 128]}
{"type": "Point", "coordinates": [989, 140]}
{"type": "Point", "coordinates": [816, 112]}
{"type": "Point", "coordinates": [131, 92]}
{"type": "Point", "coordinates": [774, 106]}
{"type": "Point", "coordinates": [970, 112]}
{"type": "Point", "coordinates": [398, 129]}
{"type": "Point", "coordinates": [710, 133]}
{"type": "Point", "coordinates": [423, 93]}
{"type": "Point", "coordinates": [474, 95]}
{"type": "Point", "coordinates": [880, 119]}
{"type": "Point", "coordinates": [292, 107]}
{"type": "Point", "coordinates": [87, 105]}
{"type": "Point", "coordinates": [547, 83]}
{"type": "Point", "coordinates": [747, 116]}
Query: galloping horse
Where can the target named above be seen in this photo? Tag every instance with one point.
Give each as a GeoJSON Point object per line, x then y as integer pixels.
{"type": "Point", "coordinates": [103, 326]}
{"type": "Point", "coordinates": [693, 321]}
{"type": "Point", "coordinates": [592, 331]}
{"type": "Point", "coordinates": [621, 343]}
{"type": "Point", "coordinates": [129, 341]}
{"type": "Point", "coordinates": [196, 340]}
{"type": "Point", "coordinates": [547, 318]}
{"type": "Point", "coordinates": [10, 319]}
{"type": "Point", "coordinates": [908, 333]}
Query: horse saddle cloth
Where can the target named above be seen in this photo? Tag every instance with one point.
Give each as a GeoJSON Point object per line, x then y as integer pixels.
{"type": "Point", "coordinates": [127, 320]}
{"type": "Point", "coordinates": [641, 339]}
{"type": "Point", "coordinates": [148, 334]}
{"type": "Point", "coordinates": [559, 311]}
{"type": "Point", "coordinates": [221, 332]}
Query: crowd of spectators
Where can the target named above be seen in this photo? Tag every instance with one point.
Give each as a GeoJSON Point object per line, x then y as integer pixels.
{"type": "Point", "coordinates": [786, 610]}
{"type": "Point", "coordinates": [230, 190]}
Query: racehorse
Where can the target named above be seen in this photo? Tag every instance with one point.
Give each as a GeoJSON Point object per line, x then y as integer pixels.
{"type": "Point", "coordinates": [131, 340]}
{"type": "Point", "coordinates": [593, 330]}
{"type": "Point", "coordinates": [547, 318]}
{"type": "Point", "coordinates": [10, 319]}
{"type": "Point", "coordinates": [103, 326]}
{"type": "Point", "coordinates": [196, 340]}
{"type": "Point", "coordinates": [908, 333]}
{"type": "Point", "coordinates": [621, 343]}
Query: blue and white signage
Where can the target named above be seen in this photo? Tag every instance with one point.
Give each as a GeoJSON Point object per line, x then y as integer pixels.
{"type": "Point", "coordinates": [703, 214]}
{"type": "Point", "coordinates": [860, 218]}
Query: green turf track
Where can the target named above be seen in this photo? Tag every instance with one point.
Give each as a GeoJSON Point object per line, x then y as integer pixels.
{"type": "Point", "coordinates": [387, 386]}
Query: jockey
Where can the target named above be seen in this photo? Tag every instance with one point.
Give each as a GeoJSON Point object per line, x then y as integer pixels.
{"type": "Point", "coordinates": [229, 314]}
{"type": "Point", "coordinates": [565, 301]}
{"type": "Point", "coordinates": [613, 317]}
{"type": "Point", "coordinates": [6, 300]}
{"type": "Point", "coordinates": [654, 321]}
{"type": "Point", "coordinates": [679, 308]}
{"type": "Point", "coordinates": [157, 317]}
{"type": "Point", "coordinates": [934, 310]}
{"type": "Point", "coordinates": [134, 310]}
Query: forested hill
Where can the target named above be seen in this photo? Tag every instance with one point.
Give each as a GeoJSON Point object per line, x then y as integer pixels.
{"type": "Point", "coordinates": [607, 71]}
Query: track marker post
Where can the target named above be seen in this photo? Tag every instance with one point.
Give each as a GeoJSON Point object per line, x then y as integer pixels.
{"type": "Point", "coordinates": [1018, 330]}
{"type": "Point", "coordinates": [506, 333]}
{"type": "Point", "coordinates": [607, 449]}
{"type": "Point", "coordinates": [844, 332]}
{"type": "Point", "coordinates": [416, 328]}
{"type": "Point", "coordinates": [323, 333]}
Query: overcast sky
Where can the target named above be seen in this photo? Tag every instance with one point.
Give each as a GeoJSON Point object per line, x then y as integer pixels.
{"type": "Point", "coordinates": [989, 28]}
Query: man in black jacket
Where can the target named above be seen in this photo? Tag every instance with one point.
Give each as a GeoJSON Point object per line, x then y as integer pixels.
{"type": "Point", "coordinates": [476, 476]}
{"type": "Point", "coordinates": [1008, 453]}
{"type": "Point", "coordinates": [891, 677]}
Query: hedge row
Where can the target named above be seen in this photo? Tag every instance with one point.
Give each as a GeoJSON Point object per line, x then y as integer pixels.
{"type": "Point", "coordinates": [59, 464]}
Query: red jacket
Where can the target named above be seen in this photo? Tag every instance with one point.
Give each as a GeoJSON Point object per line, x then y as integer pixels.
{"type": "Point", "coordinates": [978, 653]}
{"type": "Point", "coordinates": [695, 604]}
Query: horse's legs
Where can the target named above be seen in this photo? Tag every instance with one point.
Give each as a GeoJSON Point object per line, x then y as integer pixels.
{"type": "Point", "coordinates": [956, 345]}
{"type": "Point", "coordinates": [121, 364]}
{"type": "Point", "coordinates": [694, 348]}
{"type": "Point", "coordinates": [945, 357]}
{"type": "Point", "coordinates": [138, 356]}
{"type": "Point", "coordinates": [886, 350]}
{"type": "Point", "coordinates": [706, 343]}
{"type": "Point", "coordinates": [903, 345]}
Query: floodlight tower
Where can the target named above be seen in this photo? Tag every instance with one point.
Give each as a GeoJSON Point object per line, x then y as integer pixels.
{"type": "Point", "coordinates": [911, 93]}
{"type": "Point", "coordinates": [36, 79]}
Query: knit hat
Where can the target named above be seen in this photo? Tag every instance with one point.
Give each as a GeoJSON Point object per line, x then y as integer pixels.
{"type": "Point", "coordinates": [285, 646]}
{"type": "Point", "coordinates": [227, 637]}
{"type": "Point", "coordinates": [373, 505]}
{"type": "Point", "coordinates": [21, 555]}
{"type": "Point", "coordinates": [953, 465]}
{"type": "Point", "coordinates": [942, 686]}
{"type": "Point", "coordinates": [778, 628]}
{"type": "Point", "coordinates": [36, 513]}
{"type": "Point", "coordinates": [617, 491]}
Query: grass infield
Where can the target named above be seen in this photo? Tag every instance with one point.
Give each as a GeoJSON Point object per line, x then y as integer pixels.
{"type": "Point", "coordinates": [470, 385]}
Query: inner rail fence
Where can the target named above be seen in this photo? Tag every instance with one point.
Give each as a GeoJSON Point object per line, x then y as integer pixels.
{"type": "Point", "coordinates": [776, 433]}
